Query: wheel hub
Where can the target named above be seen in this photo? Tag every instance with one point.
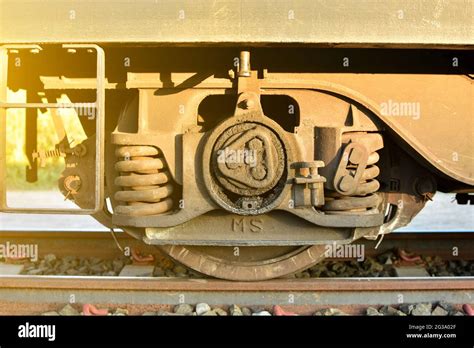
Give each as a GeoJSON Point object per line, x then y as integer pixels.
{"type": "Point", "coordinates": [245, 165]}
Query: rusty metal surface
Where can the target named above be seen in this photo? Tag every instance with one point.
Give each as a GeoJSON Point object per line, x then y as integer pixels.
{"type": "Point", "coordinates": [305, 295]}
{"type": "Point", "coordinates": [169, 171]}
{"type": "Point", "coordinates": [163, 284]}
{"type": "Point", "coordinates": [100, 244]}
{"type": "Point", "coordinates": [272, 158]}
{"type": "Point", "coordinates": [385, 23]}
{"type": "Point", "coordinates": [454, 160]}
{"type": "Point", "coordinates": [457, 101]}
{"type": "Point", "coordinates": [255, 264]}
{"type": "Point", "coordinates": [239, 185]}
{"type": "Point", "coordinates": [235, 230]}
{"type": "Point", "coordinates": [167, 127]}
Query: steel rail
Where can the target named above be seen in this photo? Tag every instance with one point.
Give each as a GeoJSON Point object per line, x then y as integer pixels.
{"type": "Point", "coordinates": [37, 294]}
{"type": "Point", "coordinates": [169, 284]}
{"type": "Point", "coordinates": [101, 244]}
{"type": "Point", "coordinates": [304, 295]}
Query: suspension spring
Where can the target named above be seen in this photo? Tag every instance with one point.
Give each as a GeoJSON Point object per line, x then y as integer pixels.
{"type": "Point", "coordinates": [363, 198]}
{"type": "Point", "coordinates": [145, 181]}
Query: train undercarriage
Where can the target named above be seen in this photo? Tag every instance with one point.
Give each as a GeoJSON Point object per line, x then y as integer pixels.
{"type": "Point", "coordinates": [244, 164]}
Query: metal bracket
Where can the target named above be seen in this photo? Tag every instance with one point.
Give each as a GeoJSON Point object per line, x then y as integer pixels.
{"type": "Point", "coordinates": [346, 181]}
{"type": "Point", "coordinates": [99, 106]}
{"type": "Point", "coordinates": [308, 190]}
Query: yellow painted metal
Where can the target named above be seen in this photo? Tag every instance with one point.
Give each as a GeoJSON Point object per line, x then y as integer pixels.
{"type": "Point", "coordinates": [386, 23]}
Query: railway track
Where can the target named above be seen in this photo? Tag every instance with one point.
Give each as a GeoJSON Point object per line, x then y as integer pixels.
{"type": "Point", "coordinates": [101, 244]}
{"type": "Point", "coordinates": [36, 294]}
{"type": "Point", "coordinates": [25, 294]}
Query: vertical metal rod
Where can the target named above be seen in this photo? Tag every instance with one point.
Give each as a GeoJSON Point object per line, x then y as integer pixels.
{"type": "Point", "coordinates": [31, 136]}
{"type": "Point", "coordinates": [143, 109]}
{"type": "Point", "coordinates": [3, 125]}
{"type": "Point", "coordinates": [100, 128]}
{"type": "Point", "coordinates": [244, 64]}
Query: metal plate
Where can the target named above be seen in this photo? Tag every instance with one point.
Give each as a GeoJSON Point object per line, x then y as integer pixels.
{"type": "Point", "coordinates": [385, 23]}
{"type": "Point", "coordinates": [223, 229]}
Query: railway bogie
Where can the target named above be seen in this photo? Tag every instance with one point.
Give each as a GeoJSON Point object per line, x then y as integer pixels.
{"type": "Point", "coordinates": [241, 161]}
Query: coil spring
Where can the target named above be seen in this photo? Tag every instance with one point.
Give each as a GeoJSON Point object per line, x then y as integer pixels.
{"type": "Point", "coordinates": [365, 199]}
{"type": "Point", "coordinates": [145, 182]}
{"type": "Point", "coordinates": [42, 156]}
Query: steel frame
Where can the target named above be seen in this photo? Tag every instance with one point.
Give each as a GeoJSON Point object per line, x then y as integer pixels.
{"type": "Point", "coordinates": [99, 105]}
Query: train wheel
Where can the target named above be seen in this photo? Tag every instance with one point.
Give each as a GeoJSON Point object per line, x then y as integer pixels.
{"type": "Point", "coordinates": [246, 263]}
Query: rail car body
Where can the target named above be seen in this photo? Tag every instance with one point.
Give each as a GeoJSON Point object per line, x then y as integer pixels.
{"type": "Point", "coordinates": [242, 137]}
